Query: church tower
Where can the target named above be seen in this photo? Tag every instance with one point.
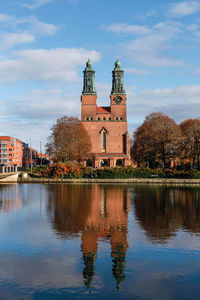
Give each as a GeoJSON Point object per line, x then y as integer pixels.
{"type": "Point", "coordinates": [107, 125]}
{"type": "Point", "coordinates": [118, 95]}
{"type": "Point", "coordinates": [89, 97]}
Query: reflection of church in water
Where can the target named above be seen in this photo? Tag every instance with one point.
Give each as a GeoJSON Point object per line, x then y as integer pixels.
{"type": "Point", "coordinates": [102, 215]}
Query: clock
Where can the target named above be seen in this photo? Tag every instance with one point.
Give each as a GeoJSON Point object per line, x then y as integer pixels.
{"type": "Point", "coordinates": [118, 99]}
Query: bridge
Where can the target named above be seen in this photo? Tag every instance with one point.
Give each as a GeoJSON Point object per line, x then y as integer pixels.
{"type": "Point", "coordinates": [8, 174]}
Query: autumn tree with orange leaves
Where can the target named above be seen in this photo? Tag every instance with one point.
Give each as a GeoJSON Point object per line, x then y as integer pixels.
{"type": "Point", "coordinates": [69, 140]}
{"type": "Point", "coordinates": [156, 141]}
{"type": "Point", "coordinates": [191, 142]}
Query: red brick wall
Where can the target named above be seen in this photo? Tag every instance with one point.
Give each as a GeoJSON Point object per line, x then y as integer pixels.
{"type": "Point", "coordinates": [115, 128]}
{"type": "Point", "coordinates": [114, 136]}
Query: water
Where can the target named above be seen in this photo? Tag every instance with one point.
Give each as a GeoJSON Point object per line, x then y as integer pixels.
{"type": "Point", "coordinates": [67, 241]}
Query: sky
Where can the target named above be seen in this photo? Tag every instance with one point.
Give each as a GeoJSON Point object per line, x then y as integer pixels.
{"type": "Point", "coordinates": [44, 45]}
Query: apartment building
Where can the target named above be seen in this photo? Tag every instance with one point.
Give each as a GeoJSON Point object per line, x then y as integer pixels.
{"type": "Point", "coordinates": [11, 151]}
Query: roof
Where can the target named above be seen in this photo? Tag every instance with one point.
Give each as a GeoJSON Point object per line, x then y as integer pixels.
{"type": "Point", "coordinates": [8, 138]}
{"type": "Point", "coordinates": [103, 109]}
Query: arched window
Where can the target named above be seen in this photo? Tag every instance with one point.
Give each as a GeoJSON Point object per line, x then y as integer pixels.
{"type": "Point", "coordinates": [104, 141]}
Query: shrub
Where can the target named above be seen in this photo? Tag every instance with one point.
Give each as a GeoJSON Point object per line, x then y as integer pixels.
{"type": "Point", "coordinates": [61, 170]}
{"type": "Point", "coordinates": [73, 170]}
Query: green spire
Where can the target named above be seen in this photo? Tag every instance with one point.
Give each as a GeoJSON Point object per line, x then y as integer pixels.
{"type": "Point", "coordinates": [89, 268]}
{"type": "Point", "coordinates": [88, 80]}
{"type": "Point", "coordinates": [88, 66]}
{"type": "Point", "coordinates": [119, 261]}
{"type": "Point", "coordinates": [117, 65]}
{"type": "Point", "coordinates": [117, 79]}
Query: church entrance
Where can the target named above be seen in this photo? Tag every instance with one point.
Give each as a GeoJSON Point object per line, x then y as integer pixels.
{"type": "Point", "coordinates": [119, 162]}
{"type": "Point", "coordinates": [89, 163]}
{"type": "Point", "coordinates": [105, 163]}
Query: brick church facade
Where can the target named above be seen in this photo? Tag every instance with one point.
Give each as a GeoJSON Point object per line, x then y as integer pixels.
{"type": "Point", "coordinates": [107, 126]}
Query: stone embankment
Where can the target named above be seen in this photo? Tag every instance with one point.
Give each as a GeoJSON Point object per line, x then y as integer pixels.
{"type": "Point", "coordinates": [9, 177]}
{"type": "Point", "coordinates": [160, 181]}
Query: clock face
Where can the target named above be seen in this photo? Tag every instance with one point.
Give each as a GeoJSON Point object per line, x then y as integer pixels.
{"type": "Point", "coordinates": [118, 99]}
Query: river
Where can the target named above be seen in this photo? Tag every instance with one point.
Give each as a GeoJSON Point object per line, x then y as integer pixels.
{"type": "Point", "coordinates": [94, 241]}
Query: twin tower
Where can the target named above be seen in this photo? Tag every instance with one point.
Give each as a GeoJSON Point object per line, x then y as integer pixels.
{"type": "Point", "coordinates": [107, 125]}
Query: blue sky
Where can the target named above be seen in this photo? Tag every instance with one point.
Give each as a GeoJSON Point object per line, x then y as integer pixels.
{"type": "Point", "coordinates": [44, 45]}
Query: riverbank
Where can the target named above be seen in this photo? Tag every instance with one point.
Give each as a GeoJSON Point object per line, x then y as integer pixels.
{"type": "Point", "coordinates": [162, 181]}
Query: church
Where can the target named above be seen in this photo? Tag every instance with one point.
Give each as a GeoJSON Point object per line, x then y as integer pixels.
{"type": "Point", "coordinates": [107, 125]}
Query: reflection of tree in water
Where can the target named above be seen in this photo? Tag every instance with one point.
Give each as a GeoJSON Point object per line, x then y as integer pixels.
{"type": "Point", "coordinates": [163, 210]}
{"type": "Point", "coordinates": [98, 212]}
{"type": "Point", "coordinates": [69, 206]}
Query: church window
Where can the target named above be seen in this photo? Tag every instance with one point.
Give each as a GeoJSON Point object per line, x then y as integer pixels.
{"type": "Point", "coordinates": [89, 81]}
{"type": "Point", "coordinates": [104, 141]}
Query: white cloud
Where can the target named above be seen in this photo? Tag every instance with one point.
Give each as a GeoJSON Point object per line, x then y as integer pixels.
{"type": "Point", "coordinates": [184, 8]}
{"type": "Point", "coordinates": [151, 50]}
{"type": "Point", "coordinates": [179, 103]}
{"type": "Point", "coordinates": [35, 4]}
{"type": "Point", "coordinates": [197, 71]}
{"type": "Point", "coordinates": [30, 23]}
{"type": "Point", "coordinates": [152, 46]}
{"type": "Point", "coordinates": [46, 65]}
{"type": "Point", "coordinates": [5, 18]}
{"type": "Point", "coordinates": [8, 40]}
{"type": "Point", "coordinates": [34, 114]}
{"type": "Point", "coordinates": [36, 26]}
{"type": "Point", "coordinates": [22, 30]}
{"type": "Point", "coordinates": [127, 29]}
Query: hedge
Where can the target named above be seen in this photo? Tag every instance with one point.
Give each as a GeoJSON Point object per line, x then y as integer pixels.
{"type": "Point", "coordinates": [74, 170]}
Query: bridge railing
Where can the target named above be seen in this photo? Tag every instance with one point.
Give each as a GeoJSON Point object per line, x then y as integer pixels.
{"type": "Point", "coordinates": [6, 169]}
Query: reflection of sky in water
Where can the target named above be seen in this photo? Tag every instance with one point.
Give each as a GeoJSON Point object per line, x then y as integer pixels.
{"type": "Point", "coordinates": [144, 238]}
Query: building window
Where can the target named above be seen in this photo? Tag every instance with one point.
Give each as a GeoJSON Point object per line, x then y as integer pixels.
{"type": "Point", "coordinates": [109, 118]}
{"type": "Point", "coordinates": [104, 118]}
{"type": "Point", "coordinates": [98, 119]}
{"type": "Point", "coordinates": [119, 163]}
{"type": "Point", "coordinates": [116, 118]}
{"type": "Point", "coordinates": [104, 141]}
{"type": "Point", "coordinates": [3, 145]}
{"type": "Point", "coordinates": [87, 119]}
{"type": "Point", "coordinates": [120, 118]}
{"type": "Point", "coordinates": [91, 119]}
